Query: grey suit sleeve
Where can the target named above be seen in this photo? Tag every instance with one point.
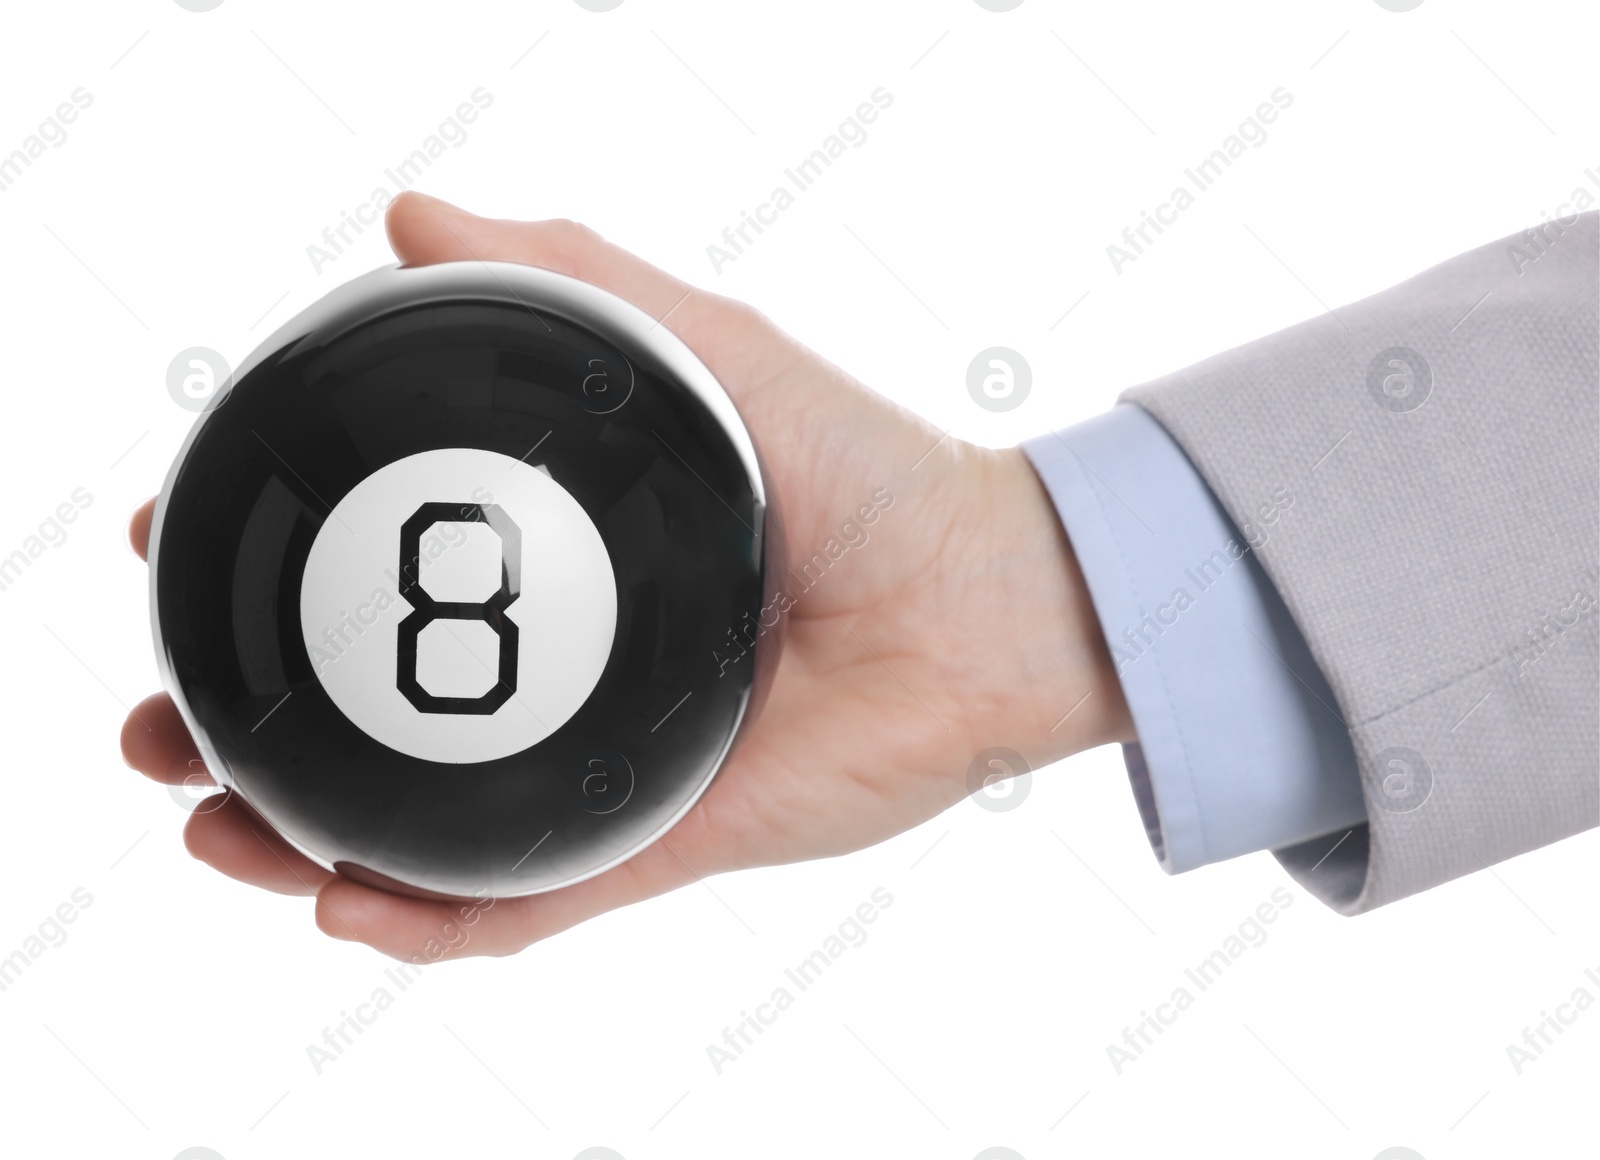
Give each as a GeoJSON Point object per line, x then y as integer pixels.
{"type": "Point", "coordinates": [1441, 561]}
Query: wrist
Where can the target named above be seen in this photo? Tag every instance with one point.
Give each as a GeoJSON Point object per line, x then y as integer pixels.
{"type": "Point", "coordinates": [1055, 687]}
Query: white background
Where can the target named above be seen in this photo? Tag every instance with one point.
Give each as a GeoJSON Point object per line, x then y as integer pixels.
{"type": "Point", "coordinates": [178, 1011]}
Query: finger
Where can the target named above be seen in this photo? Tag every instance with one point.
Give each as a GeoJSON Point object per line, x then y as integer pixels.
{"type": "Point", "coordinates": [234, 839]}
{"type": "Point", "coordinates": [156, 742]}
{"type": "Point", "coordinates": [139, 528]}
{"type": "Point", "coordinates": [735, 342]}
{"type": "Point", "coordinates": [418, 930]}
{"type": "Point", "coordinates": [424, 230]}
{"type": "Point", "coordinates": [222, 831]}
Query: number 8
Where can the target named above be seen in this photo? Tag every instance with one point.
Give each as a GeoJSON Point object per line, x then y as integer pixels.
{"type": "Point", "coordinates": [426, 609]}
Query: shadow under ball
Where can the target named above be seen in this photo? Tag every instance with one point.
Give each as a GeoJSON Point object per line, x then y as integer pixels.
{"type": "Point", "coordinates": [467, 580]}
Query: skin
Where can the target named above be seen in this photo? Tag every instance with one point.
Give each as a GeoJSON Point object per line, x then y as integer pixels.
{"type": "Point", "coordinates": [962, 624]}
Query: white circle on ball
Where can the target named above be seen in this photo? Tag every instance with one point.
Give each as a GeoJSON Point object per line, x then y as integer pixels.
{"type": "Point", "coordinates": [486, 527]}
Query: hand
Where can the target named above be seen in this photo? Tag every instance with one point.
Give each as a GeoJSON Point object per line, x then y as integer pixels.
{"type": "Point", "coordinates": [962, 622]}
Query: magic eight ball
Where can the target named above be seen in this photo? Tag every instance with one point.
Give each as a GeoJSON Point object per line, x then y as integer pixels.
{"type": "Point", "coordinates": [465, 580]}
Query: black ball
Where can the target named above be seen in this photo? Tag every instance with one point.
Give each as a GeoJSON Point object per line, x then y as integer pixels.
{"type": "Point", "coordinates": [465, 581]}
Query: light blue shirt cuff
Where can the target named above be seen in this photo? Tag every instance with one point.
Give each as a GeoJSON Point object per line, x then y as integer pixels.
{"type": "Point", "coordinates": [1240, 746]}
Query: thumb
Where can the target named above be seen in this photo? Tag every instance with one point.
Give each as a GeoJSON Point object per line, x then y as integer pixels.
{"type": "Point", "coordinates": [737, 343]}
{"type": "Point", "coordinates": [424, 230]}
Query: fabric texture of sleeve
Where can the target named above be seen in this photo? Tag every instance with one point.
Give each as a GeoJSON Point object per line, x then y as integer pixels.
{"type": "Point", "coordinates": [1440, 559]}
{"type": "Point", "coordinates": [1240, 748]}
